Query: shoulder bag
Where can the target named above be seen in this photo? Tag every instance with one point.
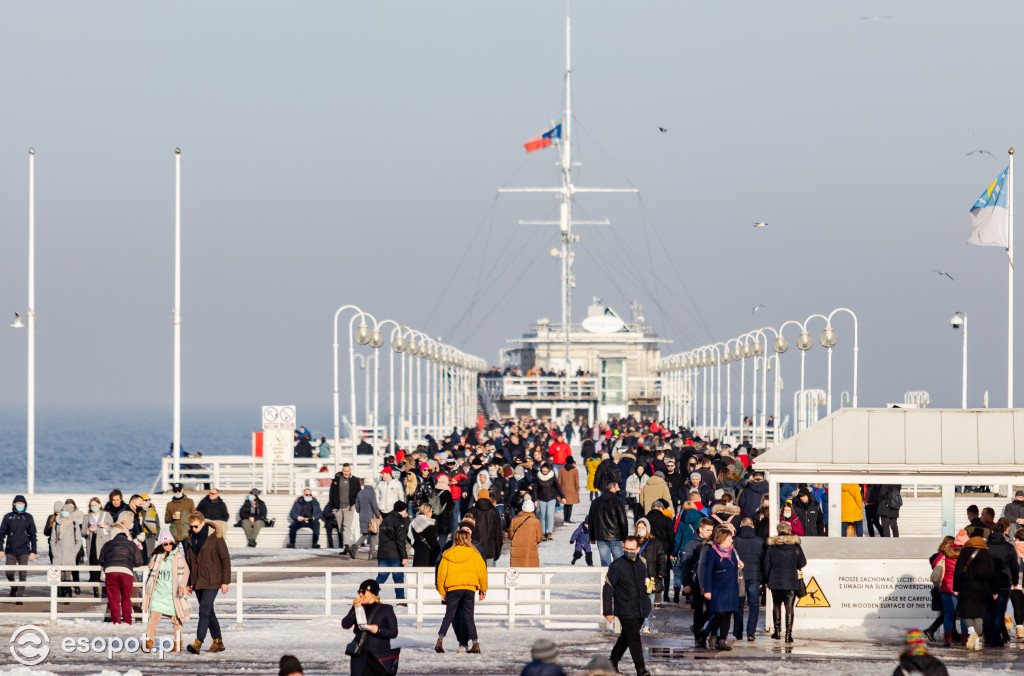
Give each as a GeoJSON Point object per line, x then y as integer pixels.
{"type": "Point", "coordinates": [939, 571]}
{"type": "Point", "coordinates": [801, 586]}
{"type": "Point", "coordinates": [355, 646]}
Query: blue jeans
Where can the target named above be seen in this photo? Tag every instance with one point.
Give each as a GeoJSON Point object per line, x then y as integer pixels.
{"type": "Point", "coordinates": [754, 609]}
{"type": "Point", "coordinates": [993, 622]}
{"type": "Point", "coordinates": [500, 509]}
{"type": "Point", "coordinates": [546, 514]}
{"type": "Point", "coordinates": [456, 515]}
{"type": "Point", "coordinates": [399, 578]}
{"type": "Point", "coordinates": [609, 550]}
{"type": "Point", "coordinates": [647, 620]}
{"type": "Point", "coordinates": [858, 528]}
{"type": "Point", "coordinates": [949, 609]}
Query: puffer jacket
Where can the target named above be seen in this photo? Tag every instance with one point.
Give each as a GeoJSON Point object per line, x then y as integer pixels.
{"type": "Point", "coordinates": [750, 499]}
{"type": "Point", "coordinates": [782, 562]}
{"type": "Point", "coordinates": [120, 552]}
{"type": "Point", "coordinates": [686, 530]}
{"type": "Point", "coordinates": [393, 537]}
{"type": "Point", "coordinates": [852, 503]}
{"type": "Point", "coordinates": [546, 487]}
{"type": "Point", "coordinates": [950, 553]}
{"type": "Point", "coordinates": [18, 531]}
{"type": "Point", "coordinates": [461, 568]}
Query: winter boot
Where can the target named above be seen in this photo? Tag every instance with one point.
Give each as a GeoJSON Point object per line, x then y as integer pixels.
{"type": "Point", "coordinates": [676, 595]}
{"type": "Point", "coordinates": [476, 648]}
{"type": "Point", "coordinates": [149, 646]}
{"type": "Point", "coordinates": [776, 623]}
{"type": "Point", "coordinates": [216, 647]}
{"type": "Point", "coordinates": [576, 556]}
{"type": "Point", "coordinates": [929, 633]}
{"type": "Point", "coordinates": [789, 627]}
{"type": "Point", "coordinates": [1020, 632]}
{"type": "Point", "coordinates": [947, 639]}
{"type": "Point", "coordinates": [720, 644]}
{"type": "Point", "coordinates": [701, 640]}
{"type": "Point", "coordinates": [589, 558]}
{"type": "Point", "coordinates": [439, 646]}
{"type": "Point", "coordinates": [194, 647]}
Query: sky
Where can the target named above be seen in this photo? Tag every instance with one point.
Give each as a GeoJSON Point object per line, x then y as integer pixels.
{"type": "Point", "coordinates": [344, 152]}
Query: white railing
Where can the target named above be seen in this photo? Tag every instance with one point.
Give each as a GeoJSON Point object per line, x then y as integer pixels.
{"type": "Point", "coordinates": [545, 387]}
{"type": "Point", "coordinates": [239, 472]}
{"type": "Point", "coordinates": [644, 388]}
{"type": "Point", "coordinates": [564, 595]}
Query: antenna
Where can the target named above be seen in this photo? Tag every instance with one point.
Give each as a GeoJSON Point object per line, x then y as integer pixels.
{"type": "Point", "coordinates": [567, 192]}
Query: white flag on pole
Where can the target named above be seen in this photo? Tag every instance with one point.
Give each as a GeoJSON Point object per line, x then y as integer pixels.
{"type": "Point", "coordinates": [989, 216]}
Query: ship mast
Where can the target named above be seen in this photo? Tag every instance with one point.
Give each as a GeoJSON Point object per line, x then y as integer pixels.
{"type": "Point", "coordinates": [567, 191]}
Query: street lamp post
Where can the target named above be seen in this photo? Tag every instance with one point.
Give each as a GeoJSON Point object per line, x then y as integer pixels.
{"type": "Point", "coordinates": [960, 320]}
{"type": "Point", "coordinates": [31, 323]}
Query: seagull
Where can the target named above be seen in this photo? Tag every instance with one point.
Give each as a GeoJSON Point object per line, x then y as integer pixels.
{"type": "Point", "coordinates": [760, 224]}
{"type": "Point", "coordinates": [943, 273]}
{"type": "Point", "coordinates": [979, 150]}
{"type": "Point", "coordinates": [759, 306]}
{"type": "Point", "coordinates": [663, 129]}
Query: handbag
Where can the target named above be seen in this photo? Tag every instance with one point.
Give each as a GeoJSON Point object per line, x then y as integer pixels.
{"type": "Point", "coordinates": [741, 581]}
{"type": "Point", "coordinates": [938, 572]}
{"type": "Point", "coordinates": [389, 660]}
{"type": "Point", "coordinates": [375, 522]}
{"type": "Point", "coordinates": [801, 586]}
{"type": "Point", "coordinates": [355, 646]}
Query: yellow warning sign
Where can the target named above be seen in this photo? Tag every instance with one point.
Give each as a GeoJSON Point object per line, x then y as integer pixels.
{"type": "Point", "coordinates": [815, 597]}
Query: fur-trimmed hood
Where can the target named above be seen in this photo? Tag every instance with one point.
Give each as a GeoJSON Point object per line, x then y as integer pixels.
{"type": "Point", "coordinates": [731, 510]}
{"type": "Point", "coordinates": [949, 551]}
{"type": "Point", "coordinates": [784, 540]}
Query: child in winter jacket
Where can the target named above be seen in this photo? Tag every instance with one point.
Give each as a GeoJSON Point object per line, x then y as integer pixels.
{"type": "Point", "coordinates": [581, 536]}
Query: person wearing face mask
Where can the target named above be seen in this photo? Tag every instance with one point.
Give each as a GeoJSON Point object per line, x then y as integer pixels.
{"type": "Point", "coordinates": [65, 543]}
{"type": "Point", "coordinates": [252, 517]}
{"type": "Point", "coordinates": [176, 514]}
{"type": "Point", "coordinates": [96, 528]}
{"type": "Point", "coordinates": [652, 553]}
{"type": "Point", "coordinates": [625, 596]}
{"type": "Point", "coordinates": [720, 584]}
{"type": "Point", "coordinates": [306, 513]}
{"type": "Point", "coordinates": [18, 539]}
{"type": "Point", "coordinates": [792, 519]}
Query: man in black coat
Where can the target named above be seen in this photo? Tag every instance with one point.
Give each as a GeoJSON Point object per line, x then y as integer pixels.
{"type": "Point", "coordinates": [391, 548]}
{"type": "Point", "coordinates": [624, 596]}
{"type": "Point", "coordinates": [608, 524]}
{"type": "Point", "coordinates": [303, 449]}
{"type": "Point", "coordinates": [342, 503]}
{"type": "Point", "coordinates": [750, 549]}
{"type": "Point", "coordinates": [212, 507]}
{"type": "Point", "coordinates": [18, 540]}
{"type": "Point", "coordinates": [750, 499]}
{"type": "Point", "coordinates": [607, 471]}
{"type": "Point", "coordinates": [810, 514]}
{"type": "Point", "coordinates": [1007, 570]}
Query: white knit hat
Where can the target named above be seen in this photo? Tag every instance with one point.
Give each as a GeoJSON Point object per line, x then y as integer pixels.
{"type": "Point", "coordinates": [528, 506]}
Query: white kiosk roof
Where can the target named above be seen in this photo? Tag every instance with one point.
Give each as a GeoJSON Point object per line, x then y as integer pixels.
{"type": "Point", "coordinates": [904, 443]}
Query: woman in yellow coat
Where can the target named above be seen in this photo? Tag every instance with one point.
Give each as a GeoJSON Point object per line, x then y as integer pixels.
{"type": "Point", "coordinates": [853, 509]}
{"type": "Point", "coordinates": [591, 471]}
{"type": "Point", "coordinates": [460, 575]}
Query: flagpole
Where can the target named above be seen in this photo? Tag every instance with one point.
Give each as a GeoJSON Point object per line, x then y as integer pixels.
{"type": "Point", "coordinates": [1009, 295]}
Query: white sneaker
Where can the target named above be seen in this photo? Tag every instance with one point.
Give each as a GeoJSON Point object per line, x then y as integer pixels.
{"type": "Point", "coordinates": [977, 644]}
{"type": "Point", "coordinates": [645, 630]}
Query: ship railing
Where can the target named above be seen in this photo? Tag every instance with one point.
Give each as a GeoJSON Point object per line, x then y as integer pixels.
{"type": "Point", "coordinates": [553, 597]}
{"type": "Point", "coordinates": [573, 388]}
{"type": "Point", "coordinates": [644, 388]}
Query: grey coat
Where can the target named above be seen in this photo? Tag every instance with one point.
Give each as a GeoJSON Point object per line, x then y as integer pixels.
{"type": "Point", "coordinates": [366, 507]}
{"type": "Point", "coordinates": [101, 536]}
{"type": "Point", "coordinates": [66, 540]}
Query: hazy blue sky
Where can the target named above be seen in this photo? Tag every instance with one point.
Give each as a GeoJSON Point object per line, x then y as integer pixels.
{"type": "Point", "coordinates": [338, 152]}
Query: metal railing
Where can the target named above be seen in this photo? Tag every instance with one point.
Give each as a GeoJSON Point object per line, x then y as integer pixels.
{"type": "Point", "coordinates": [543, 387]}
{"type": "Point", "coordinates": [644, 388]}
{"type": "Point", "coordinates": [563, 595]}
{"type": "Point", "coordinates": [490, 409]}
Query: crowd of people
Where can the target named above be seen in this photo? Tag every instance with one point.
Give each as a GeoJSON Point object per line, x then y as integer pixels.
{"type": "Point", "coordinates": [674, 519]}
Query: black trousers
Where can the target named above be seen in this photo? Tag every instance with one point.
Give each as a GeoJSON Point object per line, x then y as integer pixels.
{"type": "Point", "coordinates": [456, 600]}
{"type": "Point", "coordinates": [720, 625]}
{"type": "Point", "coordinates": [871, 512]}
{"type": "Point", "coordinates": [630, 637]}
{"type": "Point", "coordinates": [700, 610]}
{"type": "Point", "coordinates": [566, 513]}
{"type": "Point", "coordinates": [888, 527]}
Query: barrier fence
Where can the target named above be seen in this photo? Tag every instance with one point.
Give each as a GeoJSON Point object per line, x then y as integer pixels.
{"type": "Point", "coordinates": [556, 596]}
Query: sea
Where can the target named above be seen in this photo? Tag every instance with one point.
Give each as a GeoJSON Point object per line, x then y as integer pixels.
{"type": "Point", "coordinates": [98, 450]}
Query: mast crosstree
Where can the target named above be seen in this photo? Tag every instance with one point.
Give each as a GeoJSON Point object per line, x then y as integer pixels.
{"type": "Point", "coordinates": [567, 192]}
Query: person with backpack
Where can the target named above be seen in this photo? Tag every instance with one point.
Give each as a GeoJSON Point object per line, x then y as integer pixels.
{"type": "Point", "coordinates": [890, 500]}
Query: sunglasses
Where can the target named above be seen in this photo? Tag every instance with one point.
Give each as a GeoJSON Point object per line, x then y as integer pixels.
{"type": "Point", "coordinates": [196, 526]}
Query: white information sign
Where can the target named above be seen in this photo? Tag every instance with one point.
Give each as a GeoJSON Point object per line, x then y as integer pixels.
{"type": "Point", "coordinates": [866, 591]}
{"type": "Point", "coordinates": [53, 575]}
{"type": "Point", "coordinates": [278, 445]}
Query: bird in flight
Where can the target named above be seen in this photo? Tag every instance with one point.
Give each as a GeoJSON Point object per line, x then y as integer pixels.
{"type": "Point", "coordinates": [759, 306]}
{"type": "Point", "coordinates": [760, 224]}
{"type": "Point", "coordinates": [663, 129]}
{"type": "Point", "coordinates": [943, 273]}
{"type": "Point", "coordinates": [979, 150]}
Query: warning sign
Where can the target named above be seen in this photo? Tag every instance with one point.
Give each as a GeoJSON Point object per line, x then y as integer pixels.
{"type": "Point", "coordinates": [815, 597]}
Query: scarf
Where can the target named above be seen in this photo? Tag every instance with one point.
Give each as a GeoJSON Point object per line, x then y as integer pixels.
{"type": "Point", "coordinates": [723, 552]}
{"type": "Point", "coordinates": [199, 538]}
{"type": "Point", "coordinates": [62, 523]}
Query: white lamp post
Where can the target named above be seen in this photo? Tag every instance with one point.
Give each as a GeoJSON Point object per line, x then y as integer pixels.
{"type": "Point", "coordinates": [31, 323]}
{"type": "Point", "coordinates": [960, 320]}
